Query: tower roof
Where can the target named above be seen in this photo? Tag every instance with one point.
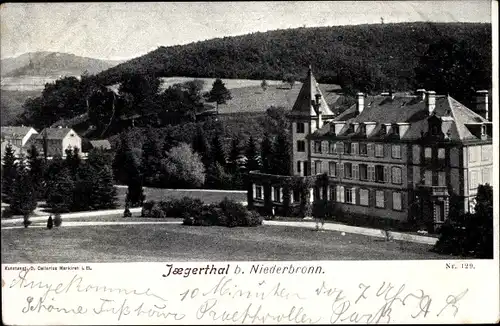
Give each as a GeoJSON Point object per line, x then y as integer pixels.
{"type": "Point", "coordinates": [310, 89]}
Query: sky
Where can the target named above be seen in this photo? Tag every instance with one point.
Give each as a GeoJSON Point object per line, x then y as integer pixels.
{"type": "Point", "coordinates": [125, 30]}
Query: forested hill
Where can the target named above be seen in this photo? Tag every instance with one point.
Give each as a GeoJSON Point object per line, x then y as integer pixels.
{"type": "Point", "coordinates": [367, 57]}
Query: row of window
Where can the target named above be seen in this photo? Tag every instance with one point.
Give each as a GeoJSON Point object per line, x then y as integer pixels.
{"type": "Point", "coordinates": [340, 194]}
{"type": "Point", "coordinates": [363, 172]}
{"type": "Point", "coordinates": [428, 179]}
{"type": "Point", "coordinates": [330, 147]}
{"type": "Point", "coordinates": [348, 195]}
{"type": "Point", "coordinates": [474, 179]}
{"type": "Point", "coordinates": [480, 151]}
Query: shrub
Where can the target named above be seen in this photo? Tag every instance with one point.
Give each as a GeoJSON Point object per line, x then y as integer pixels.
{"type": "Point", "coordinates": [157, 212]}
{"type": "Point", "coordinates": [147, 207]}
{"type": "Point", "coordinates": [57, 220]}
{"type": "Point", "coordinates": [50, 223]}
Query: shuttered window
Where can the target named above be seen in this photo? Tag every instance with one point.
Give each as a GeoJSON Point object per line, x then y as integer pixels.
{"type": "Point", "coordinates": [396, 175]}
{"type": "Point", "coordinates": [355, 171]}
{"type": "Point", "coordinates": [379, 150]}
{"type": "Point", "coordinates": [396, 151]}
{"type": "Point", "coordinates": [379, 199]}
{"type": "Point", "coordinates": [332, 169]}
{"type": "Point", "coordinates": [441, 178]}
{"type": "Point", "coordinates": [364, 197]}
{"type": "Point", "coordinates": [396, 201]}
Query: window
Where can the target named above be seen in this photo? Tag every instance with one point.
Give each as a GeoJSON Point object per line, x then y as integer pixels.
{"type": "Point", "coordinates": [379, 150]}
{"type": "Point", "coordinates": [299, 166]}
{"type": "Point", "coordinates": [441, 153]}
{"type": "Point", "coordinates": [300, 128]}
{"type": "Point", "coordinates": [428, 178]}
{"type": "Point", "coordinates": [383, 129]}
{"type": "Point", "coordinates": [350, 195]}
{"type": "Point", "coordinates": [355, 171]}
{"type": "Point", "coordinates": [396, 175]}
{"type": "Point", "coordinates": [396, 151]}
{"type": "Point", "coordinates": [379, 199]}
{"type": "Point", "coordinates": [371, 173]}
{"type": "Point", "coordinates": [332, 169]}
{"type": "Point", "coordinates": [295, 196]}
{"type": "Point", "coordinates": [347, 148]}
{"type": "Point", "coordinates": [486, 175]}
{"type": "Point", "coordinates": [486, 153]}
{"type": "Point", "coordinates": [340, 147]}
{"type": "Point", "coordinates": [259, 192]}
{"type": "Point", "coordinates": [395, 129]}
{"type": "Point", "coordinates": [483, 130]}
{"type": "Point", "coordinates": [301, 146]}
{"type": "Point", "coordinates": [340, 194]}
{"type": "Point", "coordinates": [276, 194]}
{"type": "Point", "coordinates": [472, 154]}
{"type": "Point", "coordinates": [317, 167]}
{"type": "Point", "coordinates": [441, 178]}
{"type": "Point", "coordinates": [379, 173]}
{"type": "Point", "coordinates": [363, 172]}
{"type": "Point", "coordinates": [428, 153]}
{"type": "Point", "coordinates": [396, 201]}
{"type": "Point", "coordinates": [333, 193]}
{"type": "Point", "coordinates": [354, 148]}
{"type": "Point", "coordinates": [364, 197]}
{"type": "Point", "coordinates": [317, 146]}
{"type": "Point", "coordinates": [362, 129]}
{"type": "Point", "coordinates": [473, 179]}
{"type": "Point", "coordinates": [331, 147]}
{"type": "Point", "coordinates": [363, 150]}
{"type": "Point", "coordinates": [348, 170]}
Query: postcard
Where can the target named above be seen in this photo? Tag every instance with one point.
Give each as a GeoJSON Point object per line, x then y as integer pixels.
{"type": "Point", "coordinates": [291, 162]}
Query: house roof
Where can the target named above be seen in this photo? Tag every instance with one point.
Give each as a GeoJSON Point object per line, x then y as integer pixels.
{"type": "Point", "coordinates": [54, 133]}
{"type": "Point", "coordinates": [14, 132]}
{"type": "Point", "coordinates": [307, 93]}
{"type": "Point", "coordinates": [101, 143]}
{"type": "Point", "coordinates": [411, 109]}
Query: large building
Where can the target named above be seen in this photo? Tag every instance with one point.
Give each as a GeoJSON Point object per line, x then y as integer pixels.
{"type": "Point", "coordinates": [399, 156]}
{"type": "Point", "coordinates": [55, 141]}
{"type": "Point", "coordinates": [19, 138]}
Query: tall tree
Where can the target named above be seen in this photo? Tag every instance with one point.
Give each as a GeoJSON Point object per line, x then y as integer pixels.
{"type": "Point", "coordinates": [23, 198]}
{"type": "Point", "coordinates": [200, 146]}
{"type": "Point", "coordinates": [233, 164]}
{"type": "Point", "coordinates": [84, 181]}
{"type": "Point", "coordinates": [73, 160]}
{"type": "Point", "coordinates": [267, 154]}
{"type": "Point", "coordinates": [217, 150]}
{"type": "Point", "coordinates": [282, 155]}
{"type": "Point", "coordinates": [252, 155]}
{"type": "Point", "coordinates": [218, 94]}
{"type": "Point", "coordinates": [104, 191]}
{"type": "Point", "coordinates": [9, 173]}
{"type": "Point", "coordinates": [36, 168]}
{"type": "Point", "coordinates": [152, 154]}
{"type": "Point", "coordinates": [60, 194]}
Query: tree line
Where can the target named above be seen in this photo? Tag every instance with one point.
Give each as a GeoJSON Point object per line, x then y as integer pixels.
{"type": "Point", "coordinates": [69, 184]}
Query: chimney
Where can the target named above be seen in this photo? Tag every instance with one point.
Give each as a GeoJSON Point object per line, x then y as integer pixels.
{"type": "Point", "coordinates": [482, 104]}
{"type": "Point", "coordinates": [430, 101]}
{"type": "Point", "coordinates": [360, 103]}
{"type": "Point", "coordinates": [421, 93]}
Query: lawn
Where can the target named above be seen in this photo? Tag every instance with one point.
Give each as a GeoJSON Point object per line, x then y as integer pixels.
{"type": "Point", "coordinates": [155, 242]}
{"type": "Point", "coordinates": [208, 197]}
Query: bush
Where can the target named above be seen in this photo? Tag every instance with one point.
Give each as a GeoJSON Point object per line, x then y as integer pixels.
{"type": "Point", "coordinates": [157, 212]}
{"type": "Point", "coordinates": [147, 207]}
{"type": "Point", "coordinates": [57, 220]}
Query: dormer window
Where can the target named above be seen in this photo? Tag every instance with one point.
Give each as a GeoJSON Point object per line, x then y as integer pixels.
{"type": "Point", "coordinates": [383, 129]}
{"type": "Point", "coordinates": [395, 129]}
{"type": "Point", "coordinates": [483, 130]}
{"type": "Point", "coordinates": [362, 129]}
{"type": "Point", "coordinates": [332, 128]}
{"type": "Point", "coordinates": [434, 130]}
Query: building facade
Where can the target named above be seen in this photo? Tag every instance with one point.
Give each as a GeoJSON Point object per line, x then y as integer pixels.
{"type": "Point", "coordinates": [403, 156]}
{"type": "Point", "coordinates": [55, 141]}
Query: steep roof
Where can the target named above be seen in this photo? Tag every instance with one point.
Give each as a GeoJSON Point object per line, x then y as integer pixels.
{"type": "Point", "coordinates": [54, 133]}
{"type": "Point", "coordinates": [404, 108]}
{"type": "Point", "coordinates": [307, 93]}
{"type": "Point", "coordinates": [14, 132]}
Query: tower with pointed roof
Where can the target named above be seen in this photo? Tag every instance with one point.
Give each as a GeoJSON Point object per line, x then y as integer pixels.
{"type": "Point", "coordinates": [309, 112]}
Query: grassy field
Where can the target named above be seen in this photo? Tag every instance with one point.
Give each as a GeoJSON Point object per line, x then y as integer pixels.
{"type": "Point", "coordinates": [207, 197]}
{"type": "Point", "coordinates": [154, 242]}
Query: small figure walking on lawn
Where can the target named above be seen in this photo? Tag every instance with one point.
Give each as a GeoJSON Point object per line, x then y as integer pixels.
{"type": "Point", "coordinates": [50, 223]}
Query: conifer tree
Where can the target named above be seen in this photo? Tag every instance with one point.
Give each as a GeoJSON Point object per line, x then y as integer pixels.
{"type": "Point", "coordinates": [218, 94]}
{"type": "Point", "coordinates": [233, 166]}
{"type": "Point", "coordinates": [252, 155]}
{"type": "Point", "coordinates": [267, 154]}
{"type": "Point", "coordinates": [60, 194]}
{"type": "Point", "coordinates": [23, 200]}
{"type": "Point", "coordinates": [282, 155]}
{"type": "Point", "coordinates": [152, 155]}
{"type": "Point", "coordinates": [104, 191]}
{"type": "Point", "coordinates": [217, 153]}
{"type": "Point", "coordinates": [200, 146]}
{"type": "Point", "coordinates": [73, 160]}
{"type": "Point", "coordinates": [123, 153]}
{"type": "Point", "coordinates": [9, 172]}
{"type": "Point", "coordinates": [84, 187]}
{"type": "Point", "coordinates": [36, 166]}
